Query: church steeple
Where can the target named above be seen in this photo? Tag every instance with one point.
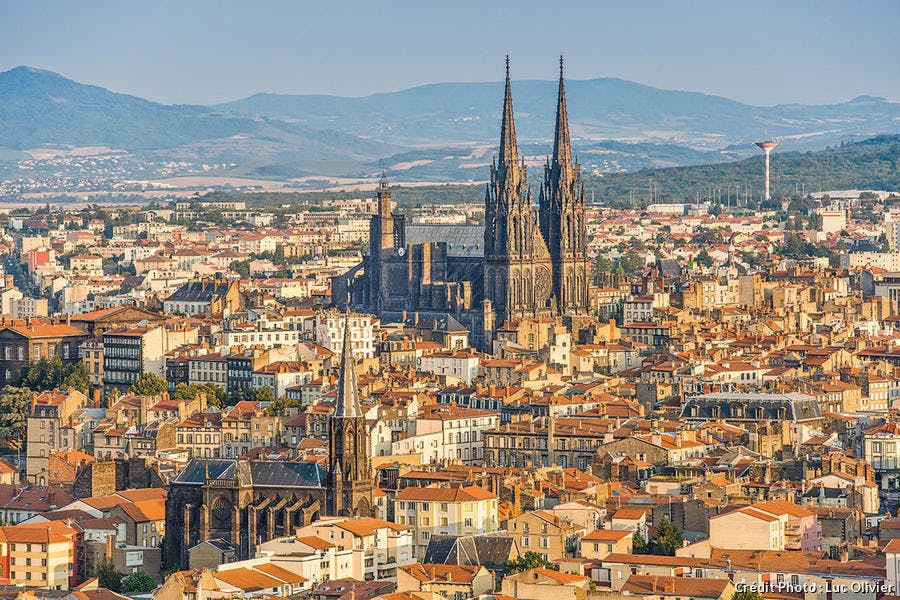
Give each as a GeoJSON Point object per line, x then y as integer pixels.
{"type": "Point", "coordinates": [350, 474]}
{"type": "Point", "coordinates": [509, 151]}
{"type": "Point", "coordinates": [562, 214]}
{"type": "Point", "coordinates": [347, 400]}
{"type": "Point", "coordinates": [517, 274]}
{"type": "Point", "coordinates": [562, 148]}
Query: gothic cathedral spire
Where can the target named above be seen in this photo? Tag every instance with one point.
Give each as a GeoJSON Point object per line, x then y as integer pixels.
{"type": "Point", "coordinates": [517, 270]}
{"type": "Point", "coordinates": [509, 151]}
{"type": "Point", "coordinates": [350, 476]}
{"type": "Point", "coordinates": [347, 400]}
{"type": "Point", "coordinates": [562, 148]}
{"type": "Point", "coordinates": [562, 216]}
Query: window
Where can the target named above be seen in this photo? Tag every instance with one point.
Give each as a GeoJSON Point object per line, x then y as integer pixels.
{"type": "Point", "coordinates": [36, 352]}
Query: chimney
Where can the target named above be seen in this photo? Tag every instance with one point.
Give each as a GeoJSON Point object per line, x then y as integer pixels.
{"type": "Point", "coordinates": [96, 398]}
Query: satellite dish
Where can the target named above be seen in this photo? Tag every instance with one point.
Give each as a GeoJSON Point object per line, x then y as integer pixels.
{"type": "Point", "coordinates": [401, 251]}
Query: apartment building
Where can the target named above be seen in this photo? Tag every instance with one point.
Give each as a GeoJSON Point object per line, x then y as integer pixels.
{"type": "Point", "coordinates": [248, 425]}
{"type": "Point", "coordinates": [385, 546]}
{"type": "Point", "coordinates": [49, 429]}
{"type": "Point", "coordinates": [41, 555]}
{"type": "Point", "coordinates": [445, 511]}
{"type": "Point", "coordinates": [446, 434]}
{"type": "Point", "coordinates": [545, 533]}
{"type": "Point", "coordinates": [22, 343]}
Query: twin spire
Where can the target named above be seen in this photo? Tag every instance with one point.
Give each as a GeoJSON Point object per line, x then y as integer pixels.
{"type": "Point", "coordinates": [562, 147]}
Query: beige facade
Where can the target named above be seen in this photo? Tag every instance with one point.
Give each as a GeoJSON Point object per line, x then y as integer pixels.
{"type": "Point", "coordinates": [445, 511]}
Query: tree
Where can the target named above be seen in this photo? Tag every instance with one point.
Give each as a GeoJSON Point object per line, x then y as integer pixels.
{"type": "Point", "coordinates": [263, 394]}
{"type": "Point", "coordinates": [108, 576]}
{"type": "Point", "coordinates": [601, 265]}
{"type": "Point", "coordinates": [666, 539]}
{"type": "Point", "coordinates": [277, 406]}
{"type": "Point", "coordinates": [529, 560]}
{"type": "Point", "coordinates": [149, 384]}
{"type": "Point", "coordinates": [747, 594]}
{"type": "Point", "coordinates": [14, 405]}
{"type": "Point", "coordinates": [52, 373]}
{"type": "Point", "coordinates": [631, 263]}
{"type": "Point", "coordinates": [214, 394]}
{"type": "Point", "coordinates": [638, 543]}
{"type": "Point", "coordinates": [704, 258]}
{"type": "Point", "coordinates": [78, 378]}
{"type": "Point", "coordinates": [138, 582]}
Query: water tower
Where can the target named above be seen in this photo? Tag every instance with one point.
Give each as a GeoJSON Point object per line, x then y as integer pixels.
{"type": "Point", "coordinates": [767, 148]}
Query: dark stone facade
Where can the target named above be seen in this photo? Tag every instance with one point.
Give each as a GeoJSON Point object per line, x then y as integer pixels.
{"type": "Point", "coordinates": [522, 263]}
{"type": "Point", "coordinates": [243, 502]}
{"type": "Point", "coordinates": [248, 502]}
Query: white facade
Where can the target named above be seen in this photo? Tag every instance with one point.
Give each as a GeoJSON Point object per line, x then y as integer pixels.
{"type": "Point", "coordinates": [329, 333]}
{"type": "Point", "coordinates": [456, 366]}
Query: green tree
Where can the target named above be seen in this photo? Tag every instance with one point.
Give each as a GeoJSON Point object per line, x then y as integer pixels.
{"type": "Point", "coordinates": [601, 265]}
{"type": "Point", "coordinates": [138, 582]}
{"type": "Point", "coordinates": [638, 543]}
{"type": "Point", "coordinates": [704, 258]}
{"type": "Point", "coordinates": [263, 394]}
{"type": "Point", "coordinates": [214, 394]}
{"type": "Point", "coordinates": [666, 539]}
{"type": "Point", "coordinates": [78, 378]}
{"type": "Point", "coordinates": [149, 384]}
{"type": "Point", "coordinates": [14, 406]}
{"type": "Point", "coordinates": [631, 263]}
{"type": "Point", "coordinates": [529, 560]}
{"type": "Point", "coordinates": [747, 594]}
{"type": "Point", "coordinates": [52, 373]}
{"type": "Point", "coordinates": [279, 404]}
{"type": "Point", "coordinates": [108, 576]}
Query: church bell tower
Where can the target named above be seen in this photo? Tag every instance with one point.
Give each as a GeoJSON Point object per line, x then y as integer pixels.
{"type": "Point", "coordinates": [350, 471]}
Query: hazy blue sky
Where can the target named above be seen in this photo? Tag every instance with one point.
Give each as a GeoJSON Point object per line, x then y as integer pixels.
{"type": "Point", "coordinates": [759, 51]}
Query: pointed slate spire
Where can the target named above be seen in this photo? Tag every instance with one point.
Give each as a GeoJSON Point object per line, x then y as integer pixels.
{"type": "Point", "coordinates": [562, 147]}
{"type": "Point", "coordinates": [347, 400]}
{"type": "Point", "coordinates": [509, 152]}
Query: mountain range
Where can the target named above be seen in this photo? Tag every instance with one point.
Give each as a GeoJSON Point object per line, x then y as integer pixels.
{"type": "Point", "coordinates": [443, 131]}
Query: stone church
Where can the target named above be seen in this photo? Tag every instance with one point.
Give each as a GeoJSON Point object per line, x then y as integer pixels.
{"type": "Point", "coordinates": [527, 260]}
{"type": "Point", "coordinates": [248, 502]}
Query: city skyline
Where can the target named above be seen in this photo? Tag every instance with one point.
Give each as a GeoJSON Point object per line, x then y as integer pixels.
{"type": "Point", "coordinates": [764, 54]}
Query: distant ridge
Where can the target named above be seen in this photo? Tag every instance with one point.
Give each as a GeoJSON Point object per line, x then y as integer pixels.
{"type": "Point", "coordinates": [424, 133]}
{"type": "Point", "coordinates": [451, 113]}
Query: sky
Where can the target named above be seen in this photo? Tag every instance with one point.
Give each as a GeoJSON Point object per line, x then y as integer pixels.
{"type": "Point", "coordinates": [207, 51]}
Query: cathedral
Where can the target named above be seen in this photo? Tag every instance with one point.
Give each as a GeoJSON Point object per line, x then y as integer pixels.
{"type": "Point", "coordinates": [527, 260]}
{"type": "Point", "coordinates": [243, 503]}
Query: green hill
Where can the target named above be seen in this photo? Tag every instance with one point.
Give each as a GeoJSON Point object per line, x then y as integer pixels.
{"type": "Point", "coordinates": [870, 164]}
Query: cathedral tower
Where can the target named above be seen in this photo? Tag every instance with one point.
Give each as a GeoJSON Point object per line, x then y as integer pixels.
{"type": "Point", "coordinates": [381, 247]}
{"type": "Point", "coordinates": [350, 472]}
{"type": "Point", "coordinates": [517, 267]}
{"type": "Point", "coordinates": [562, 215]}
